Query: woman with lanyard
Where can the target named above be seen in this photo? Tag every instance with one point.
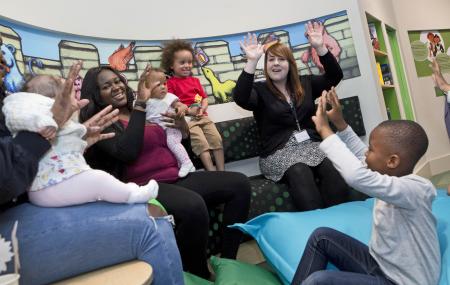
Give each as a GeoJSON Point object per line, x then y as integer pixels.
{"type": "Point", "coordinates": [283, 106]}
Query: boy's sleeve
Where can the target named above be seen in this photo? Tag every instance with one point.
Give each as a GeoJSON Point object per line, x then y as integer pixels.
{"type": "Point", "coordinates": [394, 190]}
{"type": "Point", "coordinates": [28, 112]}
{"type": "Point", "coordinates": [353, 142]}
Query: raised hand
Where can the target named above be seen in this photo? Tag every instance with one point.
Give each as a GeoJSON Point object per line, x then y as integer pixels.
{"type": "Point", "coordinates": [314, 33]}
{"type": "Point", "coordinates": [335, 114]}
{"type": "Point", "coordinates": [437, 77]}
{"type": "Point", "coordinates": [65, 102]}
{"type": "Point", "coordinates": [253, 50]}
{"type": "Point", "coordinates": [321, 119]}
{"type": "Point", "coordinates": [145, 85]}
{"type": "Point", "coordinates": [97, 123]}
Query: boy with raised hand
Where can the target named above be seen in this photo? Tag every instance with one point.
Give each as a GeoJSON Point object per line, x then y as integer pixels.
{"type": "Point", "coordinates": [404, 247]}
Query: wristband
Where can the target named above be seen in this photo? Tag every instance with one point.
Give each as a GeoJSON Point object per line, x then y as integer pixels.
{"type": "Point", "coordinates": [141, 104]}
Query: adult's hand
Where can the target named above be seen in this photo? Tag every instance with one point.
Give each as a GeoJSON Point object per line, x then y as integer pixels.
{"type": "Point", "coordinates": [65, 102]}
{"type": "Point", "coordinates": [97, 123]}
{"type": "Point", "coordinates": [172, 120]}
{"type": "Point", "coordinates": [253, 52]}
{"type": "Point", "coordinates": [314, 33]}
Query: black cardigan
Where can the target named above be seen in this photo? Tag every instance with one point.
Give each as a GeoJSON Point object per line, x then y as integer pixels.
{"type": "Point", "coordinates": [273, 116]}
{"type": "Point", "coordinates": [113, 155]}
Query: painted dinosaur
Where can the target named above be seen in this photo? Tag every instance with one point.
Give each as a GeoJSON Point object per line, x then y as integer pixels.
{"type": "Point", "coordinates": [220, 90]}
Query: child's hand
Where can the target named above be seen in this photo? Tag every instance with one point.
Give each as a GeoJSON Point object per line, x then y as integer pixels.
{"type": "Point", "coordinates": [335, 114]}
{"type": "Point", "coordinates": [193, 111]}
{"type": "Point", "coordinates": [200, 112]}
{"type": "Point", "coordinates": [48, 133]}
{"type": "Point", "coordinates": [321, 119]}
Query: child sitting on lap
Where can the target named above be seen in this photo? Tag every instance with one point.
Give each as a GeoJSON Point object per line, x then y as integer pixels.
{"type": "Point", "coordinates": [64, 178]}
{"type": "Point", "coordinates": [161, 102]}
{"type": "Point", "coordinates": [177, 58]}
{"type": "Point", "coordinates": [404, 247]}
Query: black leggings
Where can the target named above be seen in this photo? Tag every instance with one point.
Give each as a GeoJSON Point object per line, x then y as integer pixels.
{"type": "Point", "coordinates": [188, 201]}
{"type": "Point", "coordinates": [306, 194]}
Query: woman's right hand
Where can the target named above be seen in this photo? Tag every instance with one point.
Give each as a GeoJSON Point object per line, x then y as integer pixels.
{"type": "Point", "coordinates": [253, 50]}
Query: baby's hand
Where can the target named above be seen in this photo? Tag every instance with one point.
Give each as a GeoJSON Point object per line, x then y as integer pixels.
{"type": "Point", "coordinates": [48, 133]}
{"type": "Point", "coordinates": [193, 111]}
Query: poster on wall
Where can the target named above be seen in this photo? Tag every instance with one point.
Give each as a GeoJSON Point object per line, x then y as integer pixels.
{"type": "Point", "coordinates": [220, 61]}
{"type": "Point", "coordinates": [429, 45]}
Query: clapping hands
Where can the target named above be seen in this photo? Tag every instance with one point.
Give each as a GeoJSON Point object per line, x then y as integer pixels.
{"type": "Point", "coordinates": [334, 115]}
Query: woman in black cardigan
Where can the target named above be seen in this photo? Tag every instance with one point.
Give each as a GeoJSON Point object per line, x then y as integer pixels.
{"type": "Point", "coordinates": [282, 106]}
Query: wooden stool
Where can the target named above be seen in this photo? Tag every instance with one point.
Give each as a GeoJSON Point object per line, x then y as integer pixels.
{"type": "Point", "coordinates": [132, 273]}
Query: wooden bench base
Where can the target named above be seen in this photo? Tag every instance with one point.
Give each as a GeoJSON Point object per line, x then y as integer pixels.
{"type": "Point", "coordinates": [132, 273]}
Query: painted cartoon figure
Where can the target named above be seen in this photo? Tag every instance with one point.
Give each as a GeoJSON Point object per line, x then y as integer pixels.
{"type": "Point", "coordinates": [36, 62]}
{"type": "Point", "coordinates": [311, 54]}
{"type": "Point", "coordinates": [220, 90]}
{"type": "Point", "coordinates": [14, 78]}
{"type": "Point", "coordinates": [120, 58]}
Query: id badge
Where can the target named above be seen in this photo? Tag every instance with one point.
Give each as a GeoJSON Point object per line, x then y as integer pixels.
{"type": "Point", "coordinates": [302, 136]}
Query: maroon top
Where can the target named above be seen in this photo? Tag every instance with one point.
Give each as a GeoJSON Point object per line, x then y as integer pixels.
{"type": "Point", "coordinates": [155, 161]}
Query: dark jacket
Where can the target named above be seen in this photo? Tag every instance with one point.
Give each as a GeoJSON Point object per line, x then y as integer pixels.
{"type": "Point", "coordinates": [274, 117]}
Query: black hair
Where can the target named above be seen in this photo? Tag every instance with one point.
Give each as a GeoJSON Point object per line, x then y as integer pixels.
{"type": "Point", "coordinates": [405, 137]}
{"type": "Point", "coordinates": [91, 91]}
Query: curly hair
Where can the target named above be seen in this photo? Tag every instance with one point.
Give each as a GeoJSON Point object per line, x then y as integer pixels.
{"type": "Point", "coordinates": [91, 91]}
{"type": "Point", "coordinates": [169, 50]}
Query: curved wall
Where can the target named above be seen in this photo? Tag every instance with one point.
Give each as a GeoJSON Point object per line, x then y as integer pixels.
{"type": "Point", "coordinates": [158, 20]}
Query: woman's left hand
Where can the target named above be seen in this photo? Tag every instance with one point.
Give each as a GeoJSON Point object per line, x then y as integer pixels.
{"type": "Point", "coordinates": [96, 124]}
{"type": "Point", "coordinates": [172, 120]}
{"type": "Point", "coordinates": [314, 33]}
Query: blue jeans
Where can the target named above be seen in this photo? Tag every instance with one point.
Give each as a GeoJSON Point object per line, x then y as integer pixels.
{"type": "Point", "coordinates": [349, 255]}
{"type": "Point", "coordinates": [57, 243]}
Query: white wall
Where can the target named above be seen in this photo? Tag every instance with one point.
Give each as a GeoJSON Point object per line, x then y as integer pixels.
{"type": "Point", "coordinates": [145, 21]}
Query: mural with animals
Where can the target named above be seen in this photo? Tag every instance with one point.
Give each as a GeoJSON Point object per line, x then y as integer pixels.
{"type": "Point", "coordinates": [219, 59]}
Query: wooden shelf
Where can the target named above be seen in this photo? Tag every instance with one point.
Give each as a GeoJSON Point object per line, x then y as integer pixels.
{"type": "Point", "coordinates": [379, 53]}
{"type": "Point", "coordinates": [384, 86]}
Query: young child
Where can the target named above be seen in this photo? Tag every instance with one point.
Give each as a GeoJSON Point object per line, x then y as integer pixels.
{"type": "Point", "coordinates": [64, 178]}
{"type": "Point", "coordinates": [404, 247]}
{"type": "Point", "coordinates": [177, 58]}
{"type": "Point", "coordinates": [161, 102]}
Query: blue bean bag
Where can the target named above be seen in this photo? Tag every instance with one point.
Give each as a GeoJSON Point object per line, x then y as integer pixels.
{"type": "Point", "coordinates": [283, 236]}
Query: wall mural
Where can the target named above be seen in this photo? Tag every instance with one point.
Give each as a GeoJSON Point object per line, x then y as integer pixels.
{"type": "Point", "coordinates": [220, 60]}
